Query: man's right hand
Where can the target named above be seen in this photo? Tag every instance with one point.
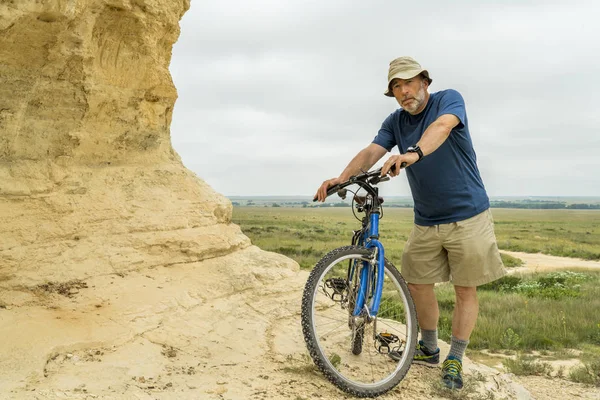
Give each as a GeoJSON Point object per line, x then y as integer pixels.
{"type": "Point", "coordinates": [321, 194]}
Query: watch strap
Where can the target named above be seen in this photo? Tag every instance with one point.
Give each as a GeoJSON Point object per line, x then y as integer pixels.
{"type": "Point", "coordinates": [415, 149]}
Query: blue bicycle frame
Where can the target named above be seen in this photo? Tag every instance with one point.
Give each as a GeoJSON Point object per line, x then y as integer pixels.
{"type": "Point", "coordinates": [370, 240]}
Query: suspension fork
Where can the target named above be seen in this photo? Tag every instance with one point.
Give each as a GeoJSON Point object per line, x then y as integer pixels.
{"type": "Point", "coordinates": [366, 272]}
{"type": "Point", "coordinates": [380, 275]}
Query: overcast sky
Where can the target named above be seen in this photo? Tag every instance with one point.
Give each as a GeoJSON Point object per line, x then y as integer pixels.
{"type": "Point", "coordinates": [277, 96]}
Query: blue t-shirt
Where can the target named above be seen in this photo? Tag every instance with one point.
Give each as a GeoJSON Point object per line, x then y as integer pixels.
{"type": "Point", "coordinates": [446, 185]}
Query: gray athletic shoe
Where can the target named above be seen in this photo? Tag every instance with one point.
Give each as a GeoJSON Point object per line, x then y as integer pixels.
{"type": "Point", "coordinates": [422, 355]}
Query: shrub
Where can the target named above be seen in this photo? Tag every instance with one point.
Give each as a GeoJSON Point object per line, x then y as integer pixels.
{"type": "Point", "coordinates": [510, 261]}
{"type": "Point", "coordinates": [506, 284]}
{"type": "Point", "coordinates": [595, 335]}
{"type": "Point", "coordinates": [510, 340]}
{"type": "Point", "coordinates": [527, 365]}
{"type": "Point", "coordinates": [555, 285]}
{"type": "Point", "coordinates": [589, 373]}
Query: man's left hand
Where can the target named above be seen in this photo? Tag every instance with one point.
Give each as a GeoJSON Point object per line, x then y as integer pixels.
{"type": "Point", "coordinates": [408, 158]}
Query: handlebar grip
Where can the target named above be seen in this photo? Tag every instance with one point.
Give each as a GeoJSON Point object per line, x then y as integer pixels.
{"type": "Point", "coordinates": [393, 169]}
{"type": "Point", "coordinates": [330, 191]}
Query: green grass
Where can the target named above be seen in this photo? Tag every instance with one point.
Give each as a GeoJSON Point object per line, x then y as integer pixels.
{"type": "Point", "coordinates": [306, 234]}
{"type": "Point", "coordinates": [510, 261]}
{"type": "Point", "coordinates": [299, 366]}
{"type": "Point", "coordinates": [510, 319]}
{"type": "Point", "coordinates": [472, 390]}
{"type": "Point", "coordinates": [526, 314]}
{"type": "Point", "coordinates": [566, 233]}
{"type": "Point", "coordinates": [589, 373]}
{"type": "Point", "coordinates": [527, 365]}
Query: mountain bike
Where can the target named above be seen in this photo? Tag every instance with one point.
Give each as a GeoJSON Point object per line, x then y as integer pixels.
{"type": "Point", "coordinates": [358, 318]}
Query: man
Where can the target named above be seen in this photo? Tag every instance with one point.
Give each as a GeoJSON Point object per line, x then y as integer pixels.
{"type": "Point", "coordinates": [453, 237]}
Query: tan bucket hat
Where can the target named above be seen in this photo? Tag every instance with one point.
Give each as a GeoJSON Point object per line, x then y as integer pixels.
{"type": "Point", "coordinates": [404, 68]}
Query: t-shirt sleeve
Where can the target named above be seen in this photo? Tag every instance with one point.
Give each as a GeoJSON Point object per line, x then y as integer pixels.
{"type": "Point", "coordinates": [385, 137]}
{"type": "Point", "coordinates": [452, 103]}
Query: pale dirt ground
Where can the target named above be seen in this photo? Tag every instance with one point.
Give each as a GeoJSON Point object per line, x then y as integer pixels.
{"type": "Point", "coordinates": [539, 262]}
{"type": "Point", "coordinates": [226, 328]}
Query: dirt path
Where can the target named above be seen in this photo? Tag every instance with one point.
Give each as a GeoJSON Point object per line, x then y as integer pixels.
{"type": "Point", "coordinates": [539, 262]}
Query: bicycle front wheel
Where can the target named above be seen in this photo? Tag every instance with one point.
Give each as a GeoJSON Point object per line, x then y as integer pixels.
{"type": "Point", "coordinates": [332, 334]}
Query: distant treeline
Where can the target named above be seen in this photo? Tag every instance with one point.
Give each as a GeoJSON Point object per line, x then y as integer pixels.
{"type": "Point", "coordinates": [526, 204]}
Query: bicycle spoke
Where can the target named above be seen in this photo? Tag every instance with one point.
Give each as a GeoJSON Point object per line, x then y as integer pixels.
{"type": "Point", "coordinates": [371, 364]}
{"type": "Point", "coordinates": [336, 328]}
{"type": "Point", "coordinates": [339, 312]}
{"type": "Point", "coordinates": [335, 321]}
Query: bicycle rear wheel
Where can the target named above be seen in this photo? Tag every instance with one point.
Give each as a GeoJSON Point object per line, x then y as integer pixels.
{"type": "Point", "coordinates": [330, 331]}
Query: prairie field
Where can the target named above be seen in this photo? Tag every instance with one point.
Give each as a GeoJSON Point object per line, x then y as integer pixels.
{"type": "Point", "coordinates": [552, 312]}
{"type": "Point", "coordinates": [306, 234]}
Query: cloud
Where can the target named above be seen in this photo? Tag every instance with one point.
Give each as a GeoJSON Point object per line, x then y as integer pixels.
{"type": "Point", "coordinates": [275, 97]}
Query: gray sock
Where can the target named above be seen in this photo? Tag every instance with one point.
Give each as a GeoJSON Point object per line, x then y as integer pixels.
{"type": "Point", "coordinates": [458, 347]}
{"type": "Point", "coordinates": [430, 339]}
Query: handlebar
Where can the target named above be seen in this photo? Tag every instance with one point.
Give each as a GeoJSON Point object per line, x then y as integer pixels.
{"type": "Point", "coordinates": [367, 179]}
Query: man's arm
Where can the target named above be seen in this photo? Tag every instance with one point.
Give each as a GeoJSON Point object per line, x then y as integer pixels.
{"type": "Point", "coordinates": [437, 133]}
{"type": "Point", "coordinates": [433, 137]}
{"type": "Point", "coordinates": [364, 160]}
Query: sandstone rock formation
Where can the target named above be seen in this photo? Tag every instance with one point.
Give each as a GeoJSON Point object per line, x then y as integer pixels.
{"type": "Point", "coordinates": [121, 274]}
{"type": "Point", "coordinates": [90, 187]}
{"type": "Point", "coordinates": [89, 183]}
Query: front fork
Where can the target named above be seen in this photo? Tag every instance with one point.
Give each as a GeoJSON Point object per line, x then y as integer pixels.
{"type": "Point", "coordinates": [366, 273]}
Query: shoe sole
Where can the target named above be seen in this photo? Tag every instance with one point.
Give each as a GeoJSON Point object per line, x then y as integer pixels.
{"type": "Point", "coordinates": [452, 387]}
{"type": "Point", "coordinates": [421, 362]}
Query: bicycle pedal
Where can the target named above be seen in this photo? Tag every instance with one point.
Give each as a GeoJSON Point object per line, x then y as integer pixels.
{"type": "Point", "coordinates": [385, 339]}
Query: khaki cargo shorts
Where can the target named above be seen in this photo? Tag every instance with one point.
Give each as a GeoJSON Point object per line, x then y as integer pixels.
{"type": "Point", "coordinates": [463, 252]}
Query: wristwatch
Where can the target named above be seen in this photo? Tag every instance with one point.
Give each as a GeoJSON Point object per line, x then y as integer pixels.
{"type": "Point", "coordinates": [415, 149]}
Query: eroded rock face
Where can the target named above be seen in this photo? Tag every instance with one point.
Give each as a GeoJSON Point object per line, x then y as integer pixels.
{"type": "Point", "coordinates": [89, 182]}
{"type": "Point", "coordinates": [86, 82]}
